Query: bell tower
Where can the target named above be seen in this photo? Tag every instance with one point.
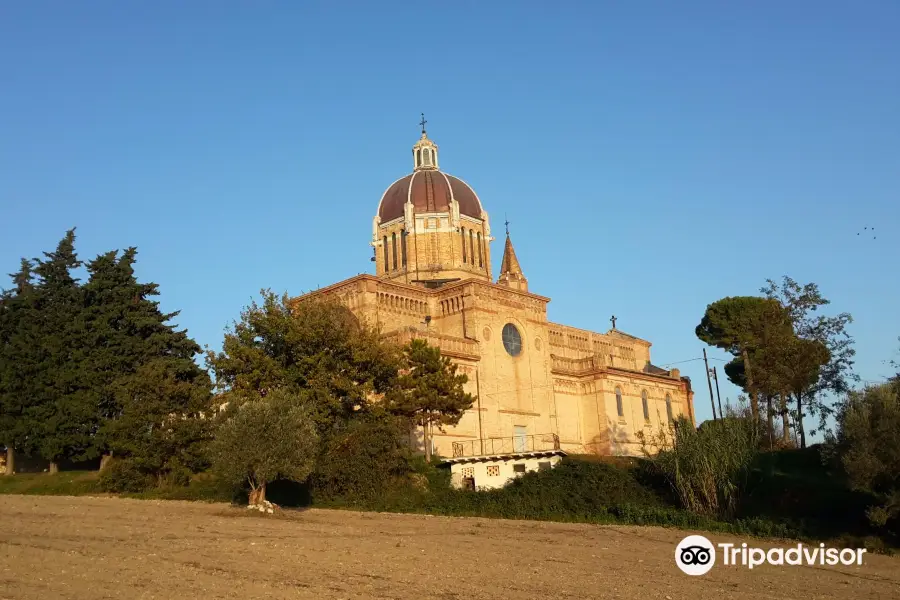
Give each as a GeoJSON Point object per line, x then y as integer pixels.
{"type": "Point", "coordinates": [510, 271]}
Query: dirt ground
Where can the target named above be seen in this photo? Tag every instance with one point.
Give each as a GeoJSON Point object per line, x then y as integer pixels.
{"type": "Point", "coordinates": [91, 548]}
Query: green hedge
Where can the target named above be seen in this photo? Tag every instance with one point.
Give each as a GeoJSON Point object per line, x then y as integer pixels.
{"type": "Point", "coordinates": [792, 495]}
{"type": "Point", "coordinates": [66, 483]}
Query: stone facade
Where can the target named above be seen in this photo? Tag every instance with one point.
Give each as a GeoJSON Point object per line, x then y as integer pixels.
{"type": "Point", "coordinates": [563, 381]}
{"type": "Point", "coordinates": [594, 391]}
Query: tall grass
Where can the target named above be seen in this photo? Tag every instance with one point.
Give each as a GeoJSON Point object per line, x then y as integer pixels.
{"type": "Point", "coordinates": [708, 467]}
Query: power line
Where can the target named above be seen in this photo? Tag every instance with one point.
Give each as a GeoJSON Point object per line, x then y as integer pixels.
{"type": "Point", "coordinates": [692, 360]}
{"type": "Point", "coordinates": [682, 361]}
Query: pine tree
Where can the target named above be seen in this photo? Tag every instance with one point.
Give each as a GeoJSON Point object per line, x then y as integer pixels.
{"type": "Point", "coordinates": [742, 325]}
{"type": "Point", "coordinates": [429, 391]}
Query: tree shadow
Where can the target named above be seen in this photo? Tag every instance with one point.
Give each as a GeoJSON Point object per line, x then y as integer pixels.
{"type": "Point", "coordinates": [619, 442]}
{"type": "Point", "coordinates": [35, 464]}
{"type": "Point", "coordinates": [289, 494]}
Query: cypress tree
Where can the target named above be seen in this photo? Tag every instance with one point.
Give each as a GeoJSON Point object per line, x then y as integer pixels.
{"type": "Point", "coordinates": [142, 369]}
{"type": "Point", "coordinates": [97, 368]}
{"type": "Point", "coordinates": [62, 402]}
{"type": "Point", "coordinates": [19, 360]}
{"type": "Point", "coordinates": [105, 361]}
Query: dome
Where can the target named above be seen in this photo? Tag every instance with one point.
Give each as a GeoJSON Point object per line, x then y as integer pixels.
{"type": "Point", "coordinates": [420, 250]}
{"type": "Point", "coordinates": [428, 191]}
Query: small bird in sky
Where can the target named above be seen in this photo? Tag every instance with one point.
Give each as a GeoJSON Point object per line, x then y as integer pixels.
{"type": "Point", "coordinates": [867, 229]}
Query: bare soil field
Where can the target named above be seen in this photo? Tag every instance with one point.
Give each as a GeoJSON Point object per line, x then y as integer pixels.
{"type": "Point", "coordinates": [91, 548]}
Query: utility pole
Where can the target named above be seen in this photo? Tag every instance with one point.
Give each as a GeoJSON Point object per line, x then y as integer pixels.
{"type": "Point", "coordinates": [718, 395]}
{"type": "Point", "coordinates": [478, 397]}
{"type": "Point", "coordinates": [712, 399]}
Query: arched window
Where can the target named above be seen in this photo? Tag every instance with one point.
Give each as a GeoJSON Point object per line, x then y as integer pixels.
{"type": "Point", "coordinates": [472, 246]}
{"type": "Point", "coordinates": [419, 157]}
{"type": "Point", "coordinates": [669, 408]}
{"type": "Point", "coordinates": [427, 157]}
{"type": "Point", "coordinates": [619, 408]}
{"type": "Point", "coordinates": [646, 405]}
{"type": "Point", "coordinates": [463, 231]}
{"type": "Point", "coordinates": [387, 265]}
{"type": "Point", "coordinates": [480, 258]}
{"type": "Point", "coordinates": [403, 246]}
{"type": "Point", "coordinates": [394, 247]}
{"type": "Point", "coordinates": [433, 158]}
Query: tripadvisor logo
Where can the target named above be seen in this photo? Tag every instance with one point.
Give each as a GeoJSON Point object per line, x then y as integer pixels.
{"type": "Point", "coordinates": [696, 555]}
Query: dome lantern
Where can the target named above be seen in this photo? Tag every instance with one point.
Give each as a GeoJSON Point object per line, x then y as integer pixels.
{"type": "Point", "coordinates": [425, 152]}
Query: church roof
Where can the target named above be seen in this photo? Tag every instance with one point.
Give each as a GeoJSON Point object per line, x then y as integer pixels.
{"type": "Point", "coordinates": [620, 333]}
{"type": "Point", "coordinates": [654, 370]}
{"type": "Point", "coordinates": [429, 191]}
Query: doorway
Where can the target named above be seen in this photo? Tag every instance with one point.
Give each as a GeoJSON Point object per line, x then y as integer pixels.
{"type": "Point", "coordinates": [520, 438]}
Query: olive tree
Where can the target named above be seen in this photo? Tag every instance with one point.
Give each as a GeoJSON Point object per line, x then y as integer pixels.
{"type": "Point", "coordinates": [265, 439]}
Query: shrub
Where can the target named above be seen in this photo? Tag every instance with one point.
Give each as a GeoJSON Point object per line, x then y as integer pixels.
{"type": "Point", "coordinates": [797, 486]}
{"type": "Point", "coordinates": [362, 461]}
{"type": "Point", "coordinates": [868, 448]}
{"type": "Point", "coordinates": [203, 487]}
{"type": "Point", "coordinates": [582, 487]}
{"type": "Point", "coordinates": [123, 475]}
{"type": "Point", "coordinates": [178, 476]}
{"type": "Point", "coordinates": [578, 489]}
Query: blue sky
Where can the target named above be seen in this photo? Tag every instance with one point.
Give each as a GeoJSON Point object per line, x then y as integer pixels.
{"type": "Point", "coordinates": [652, 157]}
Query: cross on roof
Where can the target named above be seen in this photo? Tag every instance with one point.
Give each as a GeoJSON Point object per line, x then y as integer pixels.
{"type": "Point", "coordinates": [613, 319]}
{"type": "Point", "coordinates": [422, 123]}
{"type": "Point", "coordinates": [507, 226]}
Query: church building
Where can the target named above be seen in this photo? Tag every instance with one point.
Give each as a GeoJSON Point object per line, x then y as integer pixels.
{"type": "Point", "coordinates": [542, 389]}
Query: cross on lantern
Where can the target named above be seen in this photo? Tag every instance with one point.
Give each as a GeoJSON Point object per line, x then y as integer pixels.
{"type": "Point", "coordinates": [422, 123]}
